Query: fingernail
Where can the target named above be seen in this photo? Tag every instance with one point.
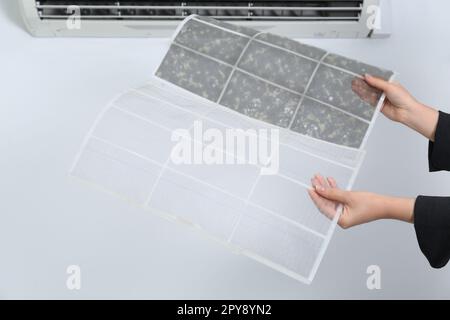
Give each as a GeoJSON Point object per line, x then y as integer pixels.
{"type": "Point", "coordinates": [320, 188]}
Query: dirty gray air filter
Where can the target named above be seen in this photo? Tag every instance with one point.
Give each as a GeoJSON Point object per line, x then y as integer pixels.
{"type": "Point", "coordinates": [226, 77]}
{"type": "Point", "coordinates": [273, 79]}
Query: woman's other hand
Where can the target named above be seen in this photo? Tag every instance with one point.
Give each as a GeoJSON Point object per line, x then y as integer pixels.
{"type": "Point", "coordinates": [399, 105]}
{"type": "Point", "coordinates": [357, 207]}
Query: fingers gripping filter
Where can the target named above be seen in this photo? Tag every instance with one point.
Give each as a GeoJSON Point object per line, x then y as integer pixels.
{"type": "Point", "coordinates": [274, 79]}
{"type": "Point", "coordinates": [216, 79]}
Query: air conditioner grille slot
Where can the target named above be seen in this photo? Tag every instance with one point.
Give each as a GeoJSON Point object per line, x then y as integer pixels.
{"type": "Point", "coordinates": [337, 10]}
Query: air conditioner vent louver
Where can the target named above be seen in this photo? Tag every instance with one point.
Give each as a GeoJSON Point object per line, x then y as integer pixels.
{"type": "Point", "coordinates": [159, 18]}
{"type": "Point", "coordinates": [319, 10]}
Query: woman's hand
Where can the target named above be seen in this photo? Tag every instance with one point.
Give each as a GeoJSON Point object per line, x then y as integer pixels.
{"type": "Point", "coordinates": [399, 102]}
{"type": "Point", "coordinates": [399, 105]}
{"type": "Point", "coordinates": [357, 207]}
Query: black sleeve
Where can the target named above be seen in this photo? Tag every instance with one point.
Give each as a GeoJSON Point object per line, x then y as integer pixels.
{"type": "Point", "coordinates": [439, 150]}
{"type": "Point", "coordinates": [432, 225]}
{"type": "Point", "coordinates": [432, 214]}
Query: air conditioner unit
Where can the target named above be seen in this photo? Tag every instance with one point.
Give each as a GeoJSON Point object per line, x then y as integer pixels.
{"type": "Point", "coordinates": [133, 18]}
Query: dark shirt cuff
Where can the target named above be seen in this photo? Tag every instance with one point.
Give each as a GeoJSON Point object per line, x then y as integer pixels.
{"type": "Point", "coordinates": [432, 225]}
{"type": "Point", "coordinates": [439, 150]}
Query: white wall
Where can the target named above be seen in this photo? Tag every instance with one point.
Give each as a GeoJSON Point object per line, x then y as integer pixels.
{"type": "Point", "coordinates": [52, 89]}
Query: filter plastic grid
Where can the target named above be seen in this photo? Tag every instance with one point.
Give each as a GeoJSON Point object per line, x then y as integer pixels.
{"type": "Point", "coordinates": [274, 79]}
{"type": "Point", "coordinates": [125, 167]}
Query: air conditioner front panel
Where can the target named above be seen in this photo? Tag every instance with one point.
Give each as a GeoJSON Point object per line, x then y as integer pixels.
{"type": "Point", "coordinates": [332, 19]}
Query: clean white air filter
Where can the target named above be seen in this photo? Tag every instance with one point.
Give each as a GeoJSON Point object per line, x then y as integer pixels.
{"type": "Point", "coordinates": [224, 77]}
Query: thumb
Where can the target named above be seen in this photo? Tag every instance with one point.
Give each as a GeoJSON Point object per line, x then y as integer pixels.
{"type": "Point", "coordinates": [334, 194]}
{"type": "Point", "coordinates": [378, 83]}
